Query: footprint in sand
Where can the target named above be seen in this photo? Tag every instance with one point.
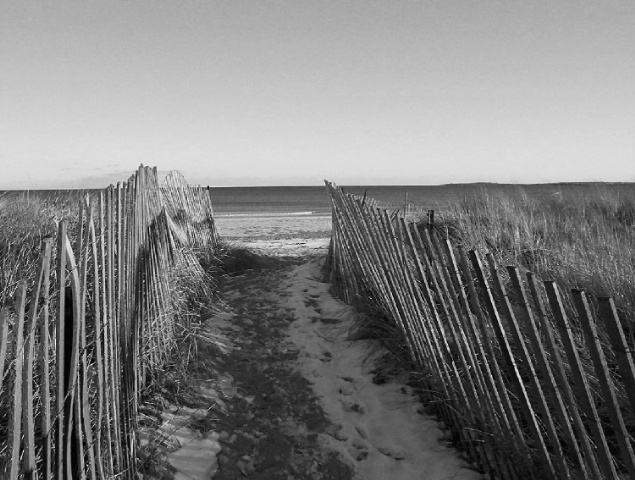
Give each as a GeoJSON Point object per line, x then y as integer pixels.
{"type": "Point", "coordinates": [361, 430]}
{"type": "Point", "coordinates": [350, 405]}
{"type": "Point", "coordinates": [346, 388]}
{"type": "Point", "coordinates": [358, 449]}
{"type": "Point", "coordinates": [340, 435]}
{"type": "Point", "coordinates": [398, 453]}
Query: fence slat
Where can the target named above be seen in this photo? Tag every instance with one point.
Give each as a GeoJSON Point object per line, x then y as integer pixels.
{"type": "Point", "coordinates": [15, 431]}
{"type": "Point", "coordinates": [548, 379]}
{"type": "Point", "coordinates": [101, 273]}
{"type": "Point", "coordinates": [61, 354]}
{"type": "Point", "coordinates": [74, 436]}
{"type": "Point", "coordinates": [514, 363]}
{"type": "Point", "coordinates": [111, 297]}
{"type": "Point", "coordinates": [45, 391]}
{"type": "Point", "coordinates": [623, 352]}
{"type": "Point", "coordinates": [580, 382]}
{"type": "Point", "coordinates": [589, 329]}
{"type": "Point", "coordinates": [28, 425]}
{"type": "Point", "coordinates": [564, 386]}
{"type": "Point", "coordinates": [510, 363]}
{"type": "Point", "coordinates": [480, 367]}
{"type": "Point", "coordinates": [464, 382]}
{"type": "Point", "coordinates": [83, 399]}
{"type": "Point", "coordinates": [526, 361]}
{"type": "Point", "coordinates": [5, 340]}
{"type": "Point", "coordinates": [492, 372]}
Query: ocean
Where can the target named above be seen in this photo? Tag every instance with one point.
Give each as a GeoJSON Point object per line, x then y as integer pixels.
{"type": "Point", "coordinates": [314, 200]}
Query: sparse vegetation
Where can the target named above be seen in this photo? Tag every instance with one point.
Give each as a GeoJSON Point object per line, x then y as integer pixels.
{"type": "Point", "coordinates": [24, 221]}
{"type": "Point", "coordinates": [172, 279]}
{"type": "Point", "coordinates": [584, 241]}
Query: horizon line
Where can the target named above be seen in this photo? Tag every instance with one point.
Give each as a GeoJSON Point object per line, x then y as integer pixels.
{"type": "Point", "coordinates": [590, 182]}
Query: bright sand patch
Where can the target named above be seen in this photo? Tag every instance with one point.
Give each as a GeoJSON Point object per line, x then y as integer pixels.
{"type": "Point", "coordinates": [381, 433]}
{"type": "Point", "coordinates": [195, 454]}
{"type": "Point", "coordinates": [281, 235]}
{"type": "Point", "coordinates": [377, 430]}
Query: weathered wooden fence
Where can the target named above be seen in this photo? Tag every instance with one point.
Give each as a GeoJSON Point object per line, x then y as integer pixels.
{"type": "Point", "coordinates": [86, 335]}
{"type": "Point", "coordinates": [532, 388]}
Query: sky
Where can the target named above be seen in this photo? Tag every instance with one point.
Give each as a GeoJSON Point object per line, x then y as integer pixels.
{"type": "Point", "coordinates": [262, 92]}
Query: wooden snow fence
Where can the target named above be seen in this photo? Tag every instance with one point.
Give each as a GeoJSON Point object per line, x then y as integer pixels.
{"type": "Point", "coordinates": [533, 382]}
{"type": "Point", "coordinates": [84, 337]}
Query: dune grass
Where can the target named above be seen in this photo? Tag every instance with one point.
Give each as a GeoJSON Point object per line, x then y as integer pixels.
{"type": "Point", "coordinates": [584, 240]}
{"type": "Point", "coordinates": [28, 217]}
{"type": "Point", "coordinates": [25, 220]}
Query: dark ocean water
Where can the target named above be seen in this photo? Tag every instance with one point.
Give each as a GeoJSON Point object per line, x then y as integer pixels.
{"type": "Point", "coordinates": [314, 200]}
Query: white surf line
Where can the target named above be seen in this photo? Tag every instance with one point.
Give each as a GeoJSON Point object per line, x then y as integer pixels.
{"type": "Point", "coordinates": [380, 435]}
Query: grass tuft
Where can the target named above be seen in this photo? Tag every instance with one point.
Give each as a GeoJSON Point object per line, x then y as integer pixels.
{"type": "Point", "coordinates": [584, 241]}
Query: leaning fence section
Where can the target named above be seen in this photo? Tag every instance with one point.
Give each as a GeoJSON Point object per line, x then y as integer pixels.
{"type": "Point", "coordinates": [534, 382]}
{"type": "Point", "coordinates": [97, 323]}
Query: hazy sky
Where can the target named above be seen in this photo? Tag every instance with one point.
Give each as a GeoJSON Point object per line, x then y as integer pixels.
{"type": "Point", "coordinates": [292, 92]}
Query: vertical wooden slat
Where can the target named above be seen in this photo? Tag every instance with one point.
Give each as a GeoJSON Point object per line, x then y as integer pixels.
{"type": "Point", "coordinates": [526, 361]}
{"type": "Point", "coordinates": [447, 323]}
{"type": "Point", "coordinates": [15, 431]}
{"type": "Point", "coordinates": [609, 397]}
{"type": "Point", "coordinates": [115, 266]}
{"type": "Point", "coordinates": [468, 391]}
{"type": "Point", "coordinates": [623, 351]}
{"type": "Point", "coordinates": [61, 377]}
{"type": "Point", "coordinates": [590, 463]}
{"type": "Point", "coordinates": [28, 426]}
{"type": "Point", "coordinates": [45, 391]}
{"type": "Point", "coordinates": [479, 365]}
{"type": "Point", "coordinates": [4, 341]}
{"type": "Point", "coordinates": [105, 465]}
{"type": "Point", "coordinates": [116, 282]}
{"type": "Point", "coordinates": [580, 382]}
{"type": "Point", "coordinates": [89, 247]}
{"type": "Point", "coordinates": [74, 438]}
{"type": "Point", "coordinates": [551, 386]}
{"type": "Point", "coordinates": [509, 416]}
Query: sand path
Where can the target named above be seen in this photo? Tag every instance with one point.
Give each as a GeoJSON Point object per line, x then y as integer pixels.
{"type": "Point", "coordinates": [273, 424]}
{"type": "Point", "coordinates": [296, 402]}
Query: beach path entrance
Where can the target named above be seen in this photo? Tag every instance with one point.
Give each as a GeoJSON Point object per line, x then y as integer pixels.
{"type": "Point", "coordinates": [295, 399]}
{"type": "Point", "coordinates": [284, 394]}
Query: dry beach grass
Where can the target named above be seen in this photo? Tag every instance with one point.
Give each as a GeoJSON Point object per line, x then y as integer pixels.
{"type": "Point", "coordinates": [584, 240]}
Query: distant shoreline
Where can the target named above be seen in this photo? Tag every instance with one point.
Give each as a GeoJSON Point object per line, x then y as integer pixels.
{"type": "Point", "coordinates": [271, 214]}
{"type": "Point", "coordinates": [349, 186]}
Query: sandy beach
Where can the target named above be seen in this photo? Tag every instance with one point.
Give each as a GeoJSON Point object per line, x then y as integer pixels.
{"type": "Point", "coordinates": [289, 396]}
{"type": "Point", "coordinates": [278, 235]}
